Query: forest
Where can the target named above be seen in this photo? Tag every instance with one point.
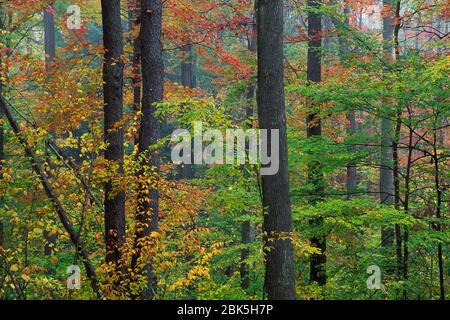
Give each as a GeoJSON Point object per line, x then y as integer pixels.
{"type": "Point", "coordinates": [224, 149]}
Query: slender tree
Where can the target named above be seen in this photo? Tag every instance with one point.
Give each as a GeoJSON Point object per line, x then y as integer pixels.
{"type": "Point", "coordinates": [246, 227]}
{"type": "Point", "coordinates": [188, 79]}
{"type": "Point", "coordinates": [386, 161]}
{"type": "Point", "coordinates": [344, 46]}
{"type": "Point", "coordinates": [52, 196]}
{"type": "Point", "coordinates": [2, 137]}
{"type": "Point", "coordinates": [113, 132]}
{"type": "Point", "coordinates": [279, 275]}
{"type": "Point", "coordinates": [50, 55]}
{"type": "Point", "coordinates": [152, 69]}
{"type": "Point", "coordinates": [314, 129]}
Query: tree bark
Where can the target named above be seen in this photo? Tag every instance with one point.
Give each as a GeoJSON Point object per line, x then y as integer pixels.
{"type": "Point", "coordinates": [279, 281]}
{"type": "Point", "coordinates": [134, 10]}
{"type": "Point", "coordinates": [153, 87]}
{"type": "Point", "coordinates": [314, 129]}
{"type": "Point", "coordinates": [113, 131]}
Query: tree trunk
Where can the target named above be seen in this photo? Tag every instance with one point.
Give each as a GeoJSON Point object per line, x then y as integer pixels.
{"type": "Point", "coordinates": [246, 227]}
{"type": "Point", "coordinates": [50, 55]}
{"type": "Point", "coordinates": [2, 141]}
{"type": "Point", "coordinates": [314, 124]}
{"type": "Point", "coordinates": [279, 281]}
{"type": "Point", "coordinates": [386, 161]}
{"type": "Point", "coordinates": [114, 136]}
{"type": "Point", "coordinates": [134, 9]}
{"type": "Point", "coordinates": [344, 50]}
{"type": "Point", "coordinates": [188, 68]}
{"type": "Point", "coordinates": [188, 79]}
{"type": "Point", "coordinates": [153, 86]}
{"type": "Point", "coordinates": [438, 225]}
{"type": "Point", "coordinates": [395, 156]}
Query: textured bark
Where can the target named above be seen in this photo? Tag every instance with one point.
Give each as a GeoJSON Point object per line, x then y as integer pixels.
{"type": "Point", "coordinates": [315, 176]}
{"type": "Point", "coordinates": [114, 137]}
{"type": "Point", "coordinates": [50, 55]}
{"type": "Point", "coordinates": [134, 10]}
{"type": "Point", "coordinates": [153, 86]}
{"type": "Point", "coordinates": [279, 281]}
{"type": "Point", "coordinates": [386, 161]}
{"type": "Point", "coordinates": [53, 197]}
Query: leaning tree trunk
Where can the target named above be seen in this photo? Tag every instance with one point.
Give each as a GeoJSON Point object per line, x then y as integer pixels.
{"type": "Point", "coordinates": [148, 193]}
{"type": "Point", "coordinates": [279, 275]}
{"type": "Point", "coordinates": [53, 197]}
{"type": "Point", "coordinates": [113, 131]}
{"type": "Point", "coordinates": [314, 129]}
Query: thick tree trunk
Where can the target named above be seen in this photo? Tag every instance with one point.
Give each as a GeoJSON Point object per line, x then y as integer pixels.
{"type": "Point", "coordinates": [153, 87]}
{"type": "Point", "coordinates": [315, 176]}
{"type": "Point", "coordinates": [386, 161]}
{"type": "Point", "coordinates": [50, 55]}
{"type": "Point", "coordinates": [51, 194]}
{"type": "Point", "coordinates": [279, 275]}
{"type": "Point", "coordinates": [114, 136]}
